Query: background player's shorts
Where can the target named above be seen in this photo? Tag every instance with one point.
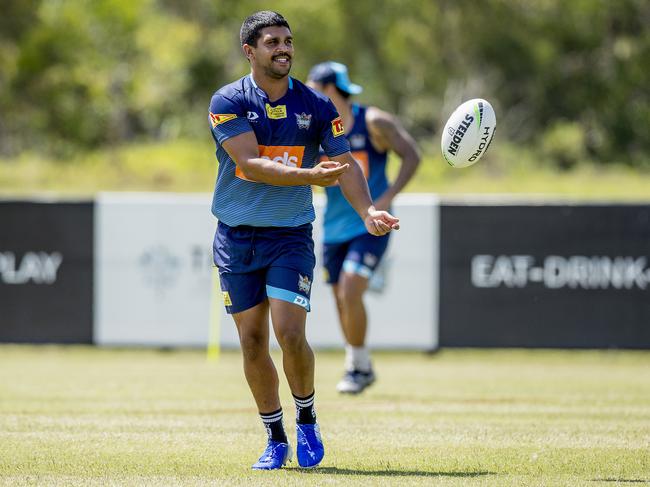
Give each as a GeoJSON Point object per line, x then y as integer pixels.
{"type": "Point", "coordinates": [360, 256]}
{"type": "Point", "coordinates": [256, 263]}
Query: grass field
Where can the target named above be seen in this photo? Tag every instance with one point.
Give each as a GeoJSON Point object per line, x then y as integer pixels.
{"type": "Point", "coordinates": [189, 166]}
{"type": "Point", "coordinates": [86, 416]}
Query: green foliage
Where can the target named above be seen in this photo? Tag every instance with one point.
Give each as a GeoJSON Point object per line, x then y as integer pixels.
{"type": "Point", "coordinates": [83, 74]}
{"type": "Point", "coordinates": [564, 144]}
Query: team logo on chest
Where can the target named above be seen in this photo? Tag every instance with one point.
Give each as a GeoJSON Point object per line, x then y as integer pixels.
{"type": "Point", "coordinates": [303, 120]}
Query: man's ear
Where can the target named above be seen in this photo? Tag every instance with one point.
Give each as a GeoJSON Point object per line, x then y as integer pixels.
{"type": "Point", "coordinates": [248, 51]}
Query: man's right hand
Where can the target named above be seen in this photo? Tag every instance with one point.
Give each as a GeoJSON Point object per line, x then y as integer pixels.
{"type": "Point", "coordinates": [326, 173]}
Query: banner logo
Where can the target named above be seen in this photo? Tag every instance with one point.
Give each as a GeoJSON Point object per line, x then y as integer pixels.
{"type": "Point", "coordinates": [37, 267]}
{"type": "Point", "coordinates": [557, 272]}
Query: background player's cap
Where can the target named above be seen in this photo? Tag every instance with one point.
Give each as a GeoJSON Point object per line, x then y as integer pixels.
{"type": "Point", "coordinates": [337, 73]}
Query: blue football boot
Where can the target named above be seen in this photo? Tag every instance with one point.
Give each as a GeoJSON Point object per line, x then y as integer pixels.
{"type": "Point", "coordinates": [275, 456]}
{"type": "Point", "coordinates": [309, 446]}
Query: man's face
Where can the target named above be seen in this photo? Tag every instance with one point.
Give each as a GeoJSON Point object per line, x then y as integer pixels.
{"type": "Point", "coordinates": [273, 52]}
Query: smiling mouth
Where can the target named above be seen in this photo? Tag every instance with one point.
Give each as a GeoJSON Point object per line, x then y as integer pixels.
{"type": "Point", "coordinates": [282, 59]}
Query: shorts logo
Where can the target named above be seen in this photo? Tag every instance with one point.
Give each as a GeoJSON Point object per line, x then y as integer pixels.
{"type": "Point", "coordinates": [219, 118]}
{"type": "Point", "coordinates": [276, 113]}
{"type": "Point", "coordinates": [252, 116]}
{"type": "Point", "coordinates": [289, 155]}
{"type": "Point", "coordinates": [369, 259]}
{"type": "Point", "coordinates": [301, 301]}
{"type": "Point", "coordinates": [304, 284]}
{"type": "Point", "coordinates": [303, 120]}
{"type": "Point", "coordinates": [226, 298]}
{"type": "Point", "coordinates": [337, 127]}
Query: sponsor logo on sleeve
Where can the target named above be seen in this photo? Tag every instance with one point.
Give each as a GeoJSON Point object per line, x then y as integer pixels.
{"type": "Point", "coordinates": [276, 113]}
{"type": "Point", "coordinates": [219, 118]}
{"type": "Point", "coordinates": [337, 127]}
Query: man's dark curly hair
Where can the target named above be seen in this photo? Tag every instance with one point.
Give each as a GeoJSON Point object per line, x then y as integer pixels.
{"type": "Point", "coordinates": [250, 29]}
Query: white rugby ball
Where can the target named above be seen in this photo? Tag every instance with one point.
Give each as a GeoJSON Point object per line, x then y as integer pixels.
{"type": "Point", "coordinates": [468, 133]}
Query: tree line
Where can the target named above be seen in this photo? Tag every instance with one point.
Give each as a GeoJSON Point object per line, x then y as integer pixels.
{"type": "Point", "coordinates": [569, 79]}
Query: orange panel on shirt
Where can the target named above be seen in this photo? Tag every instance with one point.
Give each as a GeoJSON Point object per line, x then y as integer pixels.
{"type": "Point", "coordinates": [289, 155]}
{"type": "Point", "coordinates": [362, 158]}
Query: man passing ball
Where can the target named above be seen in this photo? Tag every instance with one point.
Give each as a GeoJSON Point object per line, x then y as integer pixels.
{"type": "Point", "coordinates": [267, 129]}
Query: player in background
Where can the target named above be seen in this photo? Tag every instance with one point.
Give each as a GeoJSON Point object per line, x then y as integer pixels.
{"type": "Point", "coordinates": [267, 129]}
{"type": "Point", "coordinates": [350, 254]}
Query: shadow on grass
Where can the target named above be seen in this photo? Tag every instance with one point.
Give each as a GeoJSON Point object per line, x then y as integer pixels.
{"type": "Point", "coordinates": [623, 481]}
{"type": "Point", "coordinates": [389, 473]}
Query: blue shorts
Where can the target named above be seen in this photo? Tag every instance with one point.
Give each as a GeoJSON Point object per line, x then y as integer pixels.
{"type": "Point", "coordinates": [360, 256]}
{"type": "Point", "coordinates": [256, 263]}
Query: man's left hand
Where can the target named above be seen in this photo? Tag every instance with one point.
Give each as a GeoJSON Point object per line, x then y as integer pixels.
{"type": "Point", "coordinates": [379, 222]}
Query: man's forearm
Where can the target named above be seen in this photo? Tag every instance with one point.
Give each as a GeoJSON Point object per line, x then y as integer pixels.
{"type": "Point", "coordinates": [271, 172]}
{"type": "Point", "coordinates": [355, 189]}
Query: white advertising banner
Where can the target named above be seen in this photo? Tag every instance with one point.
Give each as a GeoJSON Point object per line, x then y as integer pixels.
{"type": "Point", "coordinates": [152, 269]}
{"type": "Point", "coordinates": [153, 274]}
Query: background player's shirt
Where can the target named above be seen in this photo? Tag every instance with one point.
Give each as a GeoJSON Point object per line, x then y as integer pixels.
{"type": "Point", "coordinates": [342, 223]}
{"type": "Point", "coordinates": [289, 131]}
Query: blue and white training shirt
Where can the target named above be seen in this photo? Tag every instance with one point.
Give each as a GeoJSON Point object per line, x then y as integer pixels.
{"type": "Point", "coordinates": [289, 131]}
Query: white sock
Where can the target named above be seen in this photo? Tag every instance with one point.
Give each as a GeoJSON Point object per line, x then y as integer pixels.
{"type": "Point", "coordinates": [357, 358]}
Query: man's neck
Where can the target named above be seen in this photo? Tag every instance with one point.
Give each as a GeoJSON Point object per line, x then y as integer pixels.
{"type": "Point", "coordinates": [273, 87]}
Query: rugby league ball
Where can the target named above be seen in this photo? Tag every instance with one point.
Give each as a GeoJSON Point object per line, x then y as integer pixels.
{"type": "Point", "coordinates": [468, 133]}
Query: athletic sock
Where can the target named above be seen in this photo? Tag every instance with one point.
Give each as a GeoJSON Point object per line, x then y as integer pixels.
{"type": "Point", "coordinates": [305, 412]}
{"type": "Point", "coordinates": [274, 425]}
{"type": "Point", "coordinates": [357, 358]}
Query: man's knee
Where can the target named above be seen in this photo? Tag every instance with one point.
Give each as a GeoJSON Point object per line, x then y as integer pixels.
{"type": "Point", "coordinates": [253, 346]}
{"type": "Point", "coordinates": [350, 290]}
{"type": "Point", "coordinates": [291, 339]}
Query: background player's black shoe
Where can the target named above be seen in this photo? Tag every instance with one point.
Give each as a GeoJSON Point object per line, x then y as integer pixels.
{"type": "Point", "coordinates": [355, 381]}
